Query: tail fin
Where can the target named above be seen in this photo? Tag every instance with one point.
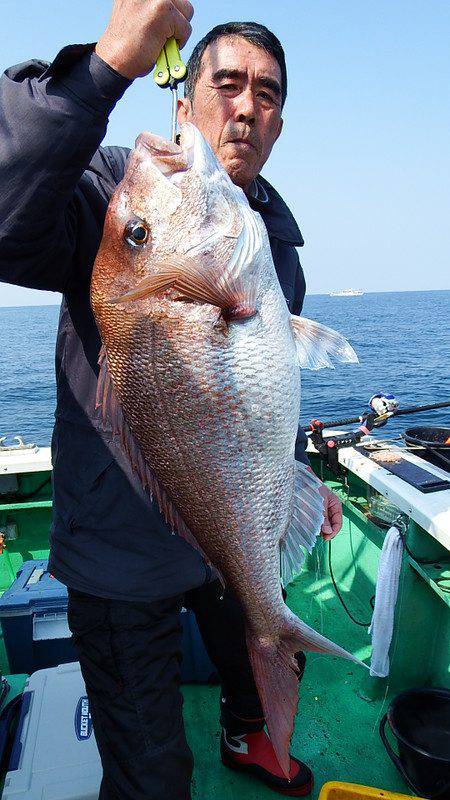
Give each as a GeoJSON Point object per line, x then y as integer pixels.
{"type": "Point", "coordinates": [276, 676]}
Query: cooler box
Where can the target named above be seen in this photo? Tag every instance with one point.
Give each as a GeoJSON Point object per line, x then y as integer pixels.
{"type": "Point", "coordinates": [54, 753]}
{"type": "Point", "coordinates": [33, 614]}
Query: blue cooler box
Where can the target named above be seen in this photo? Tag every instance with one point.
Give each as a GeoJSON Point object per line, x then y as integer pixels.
{"type": "Point", "coordinates": [33, 614]}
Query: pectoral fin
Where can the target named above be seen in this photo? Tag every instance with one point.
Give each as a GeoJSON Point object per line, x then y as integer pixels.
{"type": "Point", "coordinates": [226, 286]}
{"type": "Point", "coordinates": [197, 285]}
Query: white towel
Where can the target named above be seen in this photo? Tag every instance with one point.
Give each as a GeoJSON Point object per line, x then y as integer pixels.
{"type": "Point", "coordinates": [382, 625]}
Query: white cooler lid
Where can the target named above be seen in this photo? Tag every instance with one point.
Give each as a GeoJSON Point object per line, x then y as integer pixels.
{"type": "Point", "coordinates": [55, 753]}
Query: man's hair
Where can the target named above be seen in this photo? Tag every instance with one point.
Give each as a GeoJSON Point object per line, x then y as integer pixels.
{"type": "Point", "coordinates": [257, 34]}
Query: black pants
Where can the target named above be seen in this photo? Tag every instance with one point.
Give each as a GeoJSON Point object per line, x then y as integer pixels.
{"type": "Point", "coordinates": [130, 656]}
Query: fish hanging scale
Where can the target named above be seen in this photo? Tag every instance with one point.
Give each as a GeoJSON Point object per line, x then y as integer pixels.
{"type": "Point", "coordinates": [170, 71]}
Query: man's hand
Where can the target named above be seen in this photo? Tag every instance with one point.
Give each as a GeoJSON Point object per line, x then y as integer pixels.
{"type": "Point", "coordinates": [332, 523]}
{"type": "Point", "coordinates": [138, 30]}
{"type": "Point", "coordinates": [332, 507]}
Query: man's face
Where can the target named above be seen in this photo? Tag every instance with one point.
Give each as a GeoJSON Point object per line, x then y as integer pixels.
{"type": "Point", "coordinates": [237, 105]}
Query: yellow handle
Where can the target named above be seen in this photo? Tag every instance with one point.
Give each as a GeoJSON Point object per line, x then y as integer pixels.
{"type": "Point", "coordinates": [176, 67]}
{"type": "Point", "coordinates": [169, 65]}
{"type": "Point", "coordinates": [161, 74]}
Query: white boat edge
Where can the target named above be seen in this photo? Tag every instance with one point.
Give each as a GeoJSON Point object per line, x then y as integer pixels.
{"type": "Point", "coordinates": [430, 511]}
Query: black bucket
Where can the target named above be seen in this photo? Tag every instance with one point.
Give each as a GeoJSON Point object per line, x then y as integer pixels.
{"type": "Point", "coordinates": [434, 441]}
{"type": "Point", "coordinates": [420, 721]}
{"type": "Point", "coordinates": [428, 437]}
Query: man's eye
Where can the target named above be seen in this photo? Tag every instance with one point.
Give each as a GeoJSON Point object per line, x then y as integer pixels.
{"type": "Point", "coordinates": [267, 96]}
{"type": "Point", "coordinates": [136, 233]}
{"type": "Point", "coordinates": [231, 87]}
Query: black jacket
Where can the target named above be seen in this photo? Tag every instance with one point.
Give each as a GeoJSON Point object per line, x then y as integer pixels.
{"type": "Point", "coordinates": [56, 181]}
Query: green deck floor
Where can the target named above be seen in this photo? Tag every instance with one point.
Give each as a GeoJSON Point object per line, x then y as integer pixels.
{"type": "Point", "coordinates": [336, 731]}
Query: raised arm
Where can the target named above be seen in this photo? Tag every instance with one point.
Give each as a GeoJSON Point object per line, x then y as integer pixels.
{"type": "Point", "coordinates": [52, 121]}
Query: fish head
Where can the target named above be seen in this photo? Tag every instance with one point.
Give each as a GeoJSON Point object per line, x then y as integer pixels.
{"type": "Point", "coordinates": [176, 212]}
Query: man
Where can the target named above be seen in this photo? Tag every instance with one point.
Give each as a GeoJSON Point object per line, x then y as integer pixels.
{"type": "Point", "coordinates": [126, 575]}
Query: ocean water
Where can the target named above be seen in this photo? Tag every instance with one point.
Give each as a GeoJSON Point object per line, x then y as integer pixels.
{"type": "Point", "coordinates": [402, 340]}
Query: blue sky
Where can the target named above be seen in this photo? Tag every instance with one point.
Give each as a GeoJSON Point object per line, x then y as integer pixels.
{"type": "Point", "coordinates": [364, 159]}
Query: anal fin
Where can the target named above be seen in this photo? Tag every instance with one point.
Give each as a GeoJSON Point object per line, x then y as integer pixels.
{"type": "Point", "coordinates": [108, 404]}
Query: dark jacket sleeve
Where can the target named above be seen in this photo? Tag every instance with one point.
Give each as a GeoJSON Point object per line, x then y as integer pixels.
{"type": "Point", "coordinates": [299, 296]}
{"type": "Point", "coordinates": [52, 120]}
{"type": "Point", "coordinates": [299, 288]}
{"type": "Point", "coordinates": [300, 447]}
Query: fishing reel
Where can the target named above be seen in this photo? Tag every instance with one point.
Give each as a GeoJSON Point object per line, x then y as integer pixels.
{"type": "Point", "coordinates": [382, 406]}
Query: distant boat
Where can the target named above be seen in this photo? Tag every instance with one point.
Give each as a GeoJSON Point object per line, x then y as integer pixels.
{"type": "Point", "coordinates": [347, 293]}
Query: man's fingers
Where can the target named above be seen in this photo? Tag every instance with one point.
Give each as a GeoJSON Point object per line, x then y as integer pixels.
{"type": "Point", "coordinates": [182, 29]}
{"type": "Point", "coordinates": [138, 30]}
{"type": "Point", "coordinates": [182, 12]}
{"type": "Point", "coordinates": [326, 529]}
{"type": "Point", "coordinates": [335, 516]}
{"type": "Point", "coordinates": [185, 8]}
{"type": "Point", "coordinates": [332, 523]}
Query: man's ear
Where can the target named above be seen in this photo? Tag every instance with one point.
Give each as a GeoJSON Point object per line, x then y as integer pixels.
{"type": "Point", "coordinates": [185, 112]}
{"type": "Point", "coordinates": [280, 128]}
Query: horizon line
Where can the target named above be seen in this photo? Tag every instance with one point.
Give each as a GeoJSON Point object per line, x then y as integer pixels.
{"type": "Point", "coordinates": [308, 294]}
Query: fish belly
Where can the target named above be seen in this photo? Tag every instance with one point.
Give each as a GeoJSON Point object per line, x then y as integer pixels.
{"type": "Point", "coordinates": [216, 418]}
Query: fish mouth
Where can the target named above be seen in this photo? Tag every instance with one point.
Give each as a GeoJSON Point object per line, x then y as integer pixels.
{"type": "Point", "coordinates": [158, 146]}
{"type": "Point", "coordinates": [172, 159]}
{"type": "Point", "coordinates": [169, 157]}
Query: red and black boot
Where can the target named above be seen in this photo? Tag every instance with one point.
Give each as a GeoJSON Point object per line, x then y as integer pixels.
{"type": "Point", "coordinates": [245, 746]}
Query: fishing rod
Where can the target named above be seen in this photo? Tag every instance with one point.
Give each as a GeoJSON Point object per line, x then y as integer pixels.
{"type": "Point", "coordinates": [336, 423]}
{"type": "Point", "coordinates": [382, 408]}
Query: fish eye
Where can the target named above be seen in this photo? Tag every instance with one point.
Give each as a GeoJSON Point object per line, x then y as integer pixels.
{"type": "Point", "coordinates": [136, 233]}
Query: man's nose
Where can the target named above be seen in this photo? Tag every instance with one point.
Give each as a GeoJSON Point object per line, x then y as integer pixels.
{"type": "Point", "coordinates": [245, 107]}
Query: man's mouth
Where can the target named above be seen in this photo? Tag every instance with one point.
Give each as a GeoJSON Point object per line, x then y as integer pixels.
{"type": "Point", "coordinates": [245, 143]}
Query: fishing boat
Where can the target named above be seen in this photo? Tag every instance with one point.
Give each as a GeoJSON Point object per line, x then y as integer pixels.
{"type": "Point", "coordinates": [347, 293]}
{"type": "Point", "coordinates": [341, 705]}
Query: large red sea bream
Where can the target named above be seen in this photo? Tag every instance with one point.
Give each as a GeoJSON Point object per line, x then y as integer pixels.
{"type": "Point", "coordinates": [200, 372]}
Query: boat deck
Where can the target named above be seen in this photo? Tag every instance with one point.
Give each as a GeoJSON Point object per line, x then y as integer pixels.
{"type": "Point", "coordinates": [336, 730]}
{"type": "Point", "coordinates": [340, 706]}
